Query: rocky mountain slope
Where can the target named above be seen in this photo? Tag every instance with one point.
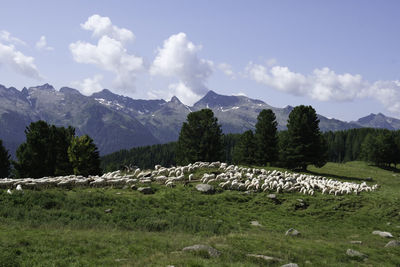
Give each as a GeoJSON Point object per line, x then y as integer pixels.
{"type": "Point", "coordinates": [117, 122]}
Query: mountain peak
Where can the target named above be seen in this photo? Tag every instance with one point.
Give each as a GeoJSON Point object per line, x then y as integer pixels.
{"type": "Point", "coordinates": [212, 99]}
{"type": "Point", "coordinates": [106, 94]}
{"type": "Point", "coordinates": [176, 100]}
{"type": "Point", "coordinates": [68, 90]}
{"type": "Point", "coordinates": [45, 86]}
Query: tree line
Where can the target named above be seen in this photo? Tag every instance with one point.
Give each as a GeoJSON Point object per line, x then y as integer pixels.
{"type": "Point", "coordinates": [302, 144]}
{"type": "Point", "coordinates": [378, 146]}
{"type": "Point", "coordinates": [51, 151]}
{"type": "Point", "coordinates": [201, 139]}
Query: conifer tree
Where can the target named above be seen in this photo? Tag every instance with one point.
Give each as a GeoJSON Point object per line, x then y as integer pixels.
{"type": "Point", "coordinates": [200, 138]}
{"type": "Point", "coordinates": [266, 137]}
{"type": "Point", "coordinates": [305, 143]}
{"type": "Point", "coordinates": [5, 164]}
{"type": "Point", "coordinates": [245, 149]}
{"type": "Point", "coordinates": [84, 156]}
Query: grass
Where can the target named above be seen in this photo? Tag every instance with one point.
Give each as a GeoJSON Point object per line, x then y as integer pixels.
{"type": "Point", "coordinates": [70, 228]}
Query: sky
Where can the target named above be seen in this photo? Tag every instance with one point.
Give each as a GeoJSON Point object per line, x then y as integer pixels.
{"type": "Point", "coordinates": [341, 57]}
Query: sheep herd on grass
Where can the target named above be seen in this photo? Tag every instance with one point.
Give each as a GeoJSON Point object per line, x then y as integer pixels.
{"type": "Point", "coordinates": [228, 177]}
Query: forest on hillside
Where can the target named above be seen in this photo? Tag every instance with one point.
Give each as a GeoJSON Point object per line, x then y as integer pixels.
{"type": "Point", "coordinates": [342, 146]}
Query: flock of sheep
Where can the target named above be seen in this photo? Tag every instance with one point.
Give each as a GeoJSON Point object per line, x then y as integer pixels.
{"type": "Point", "coordinates": [225, 176]}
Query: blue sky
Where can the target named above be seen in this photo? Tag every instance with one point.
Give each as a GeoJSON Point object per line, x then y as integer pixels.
{"type": "Point", "coordinates": [341, 57]}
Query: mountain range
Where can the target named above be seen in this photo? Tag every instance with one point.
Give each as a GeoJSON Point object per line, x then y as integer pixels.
{"type": "Point", "coordinates": [118, 122]}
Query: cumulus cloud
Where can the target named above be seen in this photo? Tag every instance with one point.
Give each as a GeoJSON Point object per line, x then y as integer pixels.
{"type": "Point", "coordinates": [387, 92]}
{"type": "Point", "coordinates": [14, 59]}
{"type": "Point", "coordinates": [101, 26]}
{"type": "Point", "coordinates": [326, 85]}
{"type": "Point", "coordinates": [42, 44]}
{"type": "Point", "coordinates": [322, 84]}
{"type": "Point", "coordinates": [89, 85]}
{"type": "Point", "coordinates": [109, 53]}
{"type": "Point", "coordinates": [179, 58]}
{"type": "Point", "coordinates": [5, 36]}
{"type": "Point", "coordinates": [227, 70]}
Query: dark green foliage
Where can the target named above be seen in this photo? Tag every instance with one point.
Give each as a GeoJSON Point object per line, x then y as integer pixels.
{"type": "Point", "coordinates": [266, 137]}
{"type": "Point", "coordinates": [245, 150]}
{"type": "Point", "coordinates": [145, 157]}
{"type": "Point", "coordinates": [84, 156]}
{"type": "Point", "coordinates": [305, 144]}
{"type": "Point", "coordinates": [45, 151]}
{"type": "Point", "coordinates": [200, 138]}
{"type": "Point", "coordinates": [230, 141]}
{"type": "Point", "coordinates": [5, 164]}
{"type": "Point", "coordinates": [362, 144]}
{"type": "Point", "coordinates": [381, 149]}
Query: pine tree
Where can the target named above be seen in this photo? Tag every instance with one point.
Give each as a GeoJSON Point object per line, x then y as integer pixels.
{"type": "Point", "coordinates": [244, 151]}
{"type": "Point", "coordinates": [84, 156]}
{"type": "Point", "coordinates": [266, 137]}
{"type": "Point", "coordinates": [5, 164]}
{"type": "Point", "coordinates": [45, 151]}
{"type": "Point", "coordinates": [306, 144]}
{"type": "Point", "coordinates": [200, 138]}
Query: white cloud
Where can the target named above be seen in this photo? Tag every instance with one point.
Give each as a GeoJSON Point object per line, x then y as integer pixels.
{"type": "Point", "coordinates": [89, 85]}
{"type": "Point", "coordinates": [387, 92]}
{"type": "Point", "coordinates": [322, 84]}
{"type": "Point", "coordinates": [109, 53]}
{"type": "Point", "coordinates": [326, 85]}
{"type": "Point", "coordinates": [185, 94]}
{"type": "Point", "coordinates": [102, 26]}
{"type": "Point", "coordinates": [227, 69]}
{"type": "Point", "coordinates": [179, 58]}
{"type": "Point", "coordinates": [14, 59]}
{"type": "Point", "coordinates": [5, 36]}
{"type": "Point", "coordinates": [42, 44]}
{"type": "Point", "coordinates": [271, 62]}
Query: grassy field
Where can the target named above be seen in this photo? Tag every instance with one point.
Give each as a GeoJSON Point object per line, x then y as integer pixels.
{"type": "Point", "coordinates": [71, 228]}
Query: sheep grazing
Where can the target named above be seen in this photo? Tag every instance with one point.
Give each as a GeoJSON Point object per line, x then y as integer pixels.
{"type": "Point", "coordinates": [228, 177]}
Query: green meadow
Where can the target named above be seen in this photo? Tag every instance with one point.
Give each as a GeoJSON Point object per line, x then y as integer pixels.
{"type": "Point", "coordinates": [58, 227]}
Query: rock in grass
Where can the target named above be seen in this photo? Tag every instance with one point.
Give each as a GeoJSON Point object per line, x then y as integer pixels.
{"type": "Point", "coordinates": [357, 242]}
{"type": "Point", "coordinates": [355, 254]}
{"type": "Point", "coordinates": [255, 223]}
{"type": "Point", "coordinates": [146, 190]}
{"type": "Point", "coordinates": [210, 250]}
{"type": "Point", "coordinates": [264, 257]}
{"type": "Point", "coordinates": [205, 188]}
{"type": "Point", "coordinates": [108, 211]}
{"type": "Point", "coordinates": [271, 196]}
{"type": "Point", "coordinates": [290, 265]}
{"type": "Point", "coordinates": [292, 232]}
{"type": "Point", "coordinates": [382, 234]}
{"type": "Point", "coordinates": [393, 243]}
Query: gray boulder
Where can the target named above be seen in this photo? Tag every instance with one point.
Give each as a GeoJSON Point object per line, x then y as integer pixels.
{"type": "Point", "coordinates": [205, 188]}
{"type": "Point", "coordinates": [264, 257]}
{"type": "Point", "coordinates": [393, 243]}
{"type": "Point", "coordinates": [382, 234]}
{"type": "Point", "coordinates": [210, 250]}
{"type": "Point", "coordinates": [290, 265]}
{"type": "Point", "coordinates": [292, 232]}
{"type": "Point", "coordinates": [255, 223]}
{"type": "Point", "coordinates": [355, 254]}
